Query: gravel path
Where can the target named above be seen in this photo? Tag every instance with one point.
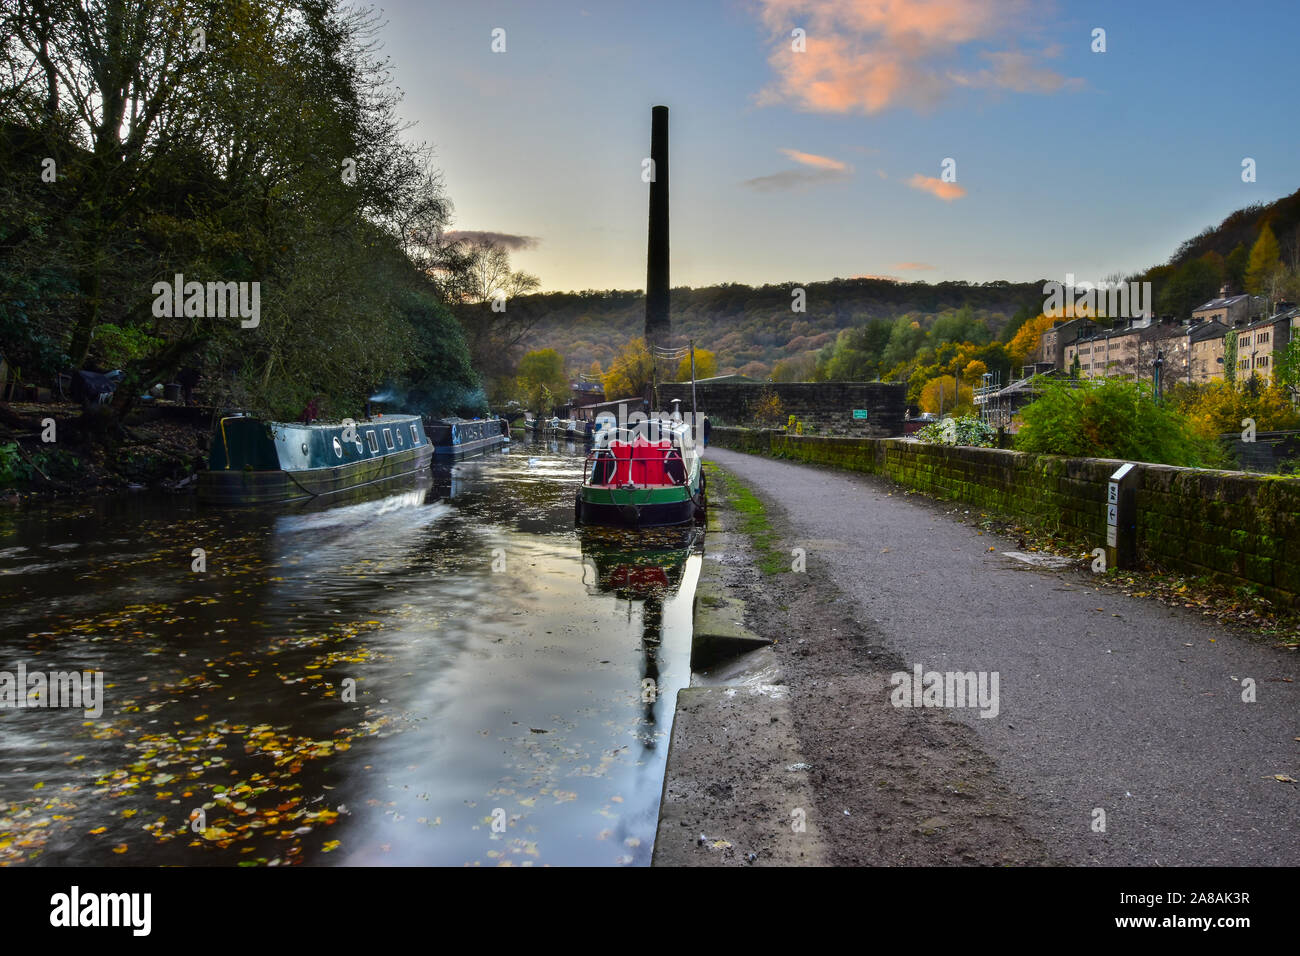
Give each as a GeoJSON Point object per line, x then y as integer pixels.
{"type": "Point", "coordinates": [1105, 701]}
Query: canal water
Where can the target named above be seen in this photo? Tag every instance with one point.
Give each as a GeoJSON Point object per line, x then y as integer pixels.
{"type": "Point", "coordinates": [441, 672]}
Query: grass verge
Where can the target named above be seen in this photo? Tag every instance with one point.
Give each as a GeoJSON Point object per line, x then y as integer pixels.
{"type": "Point", "coordinates": [753, 520]}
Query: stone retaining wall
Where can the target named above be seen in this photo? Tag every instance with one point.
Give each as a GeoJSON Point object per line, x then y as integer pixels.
{"type": "Point", "coordinates": [824, 406]}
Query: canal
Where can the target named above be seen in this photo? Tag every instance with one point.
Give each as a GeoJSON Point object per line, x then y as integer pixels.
{"type": "Point", "coordinates": [442, 672]}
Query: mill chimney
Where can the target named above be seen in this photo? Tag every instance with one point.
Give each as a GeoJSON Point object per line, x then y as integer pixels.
{"type": "Point", "coordinates": [657, 323]}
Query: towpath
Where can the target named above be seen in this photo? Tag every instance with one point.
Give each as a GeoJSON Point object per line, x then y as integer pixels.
{"type": "Point", "coordinates": [1106, 702]}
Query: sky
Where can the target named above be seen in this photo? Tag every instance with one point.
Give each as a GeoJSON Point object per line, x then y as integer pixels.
{"type": "Point", "coordinates": [829, 161]}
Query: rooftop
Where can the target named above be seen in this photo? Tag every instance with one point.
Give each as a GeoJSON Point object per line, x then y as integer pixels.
{"type": "Point", "coordinates": [1220, 303]}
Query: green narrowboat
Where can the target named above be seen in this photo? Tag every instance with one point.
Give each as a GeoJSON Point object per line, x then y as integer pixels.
{"type": "Point", "coordinates": [259, 462]}
{"type": "Point", "coordinates": [645, 476]}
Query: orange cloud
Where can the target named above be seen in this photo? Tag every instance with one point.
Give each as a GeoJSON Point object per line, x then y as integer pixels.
{"type": "Point", "coordinates": [819, 162]}
{"type": "Point", "coordinates": [824, 169]}
{"type": "Point", "coordinates": [913, 267]}
{"type": "Point", "coordinates": [936, 187]}
{"type": "Point", "coordinates": [869, 55]}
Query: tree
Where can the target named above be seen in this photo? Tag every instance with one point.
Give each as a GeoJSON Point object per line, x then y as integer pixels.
{"type": "Point", "coordinates": [440, 378]}
{"type": "Point", "coordinates": [541, 379]}
{"type": "Point", "coordinates": [1286, 368]}
{"type": "Point", "coordinates": [1025, 345]}
{"type": "Point", "coordinates": [631, 374]}
{"type": "Point", "coordinates": [905, 337]}
{"type": "Point", "coordinates": [959, 326]}
{"type": "Point", "coordinates": [1194, 283]}
{"type": "Point", "coordinates": [1218, 408]}
{"type": "Point", "coordinates": [706, 366]}
{"type": "Point", "coordinates": [1265, 256]}
{"type": "Point", "coordinates": [800, 368]}
{"type": "Point", "coordinates": [973, 372]}
{"type": "Point", "coordinates": [941, 395]}
{"type": "Point", "coordinates": [1021, 316]}
{"type": "Point", "coordinates": [221, 162]}
{"type": "Point", "coordinates": [1234, 267]}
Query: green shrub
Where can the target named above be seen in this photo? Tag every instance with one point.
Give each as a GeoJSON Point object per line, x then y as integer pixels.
{"type": "Point", "coordinates": [1110, 418]}
{"type": "Point", "coordinates": [117, 346]}
{"type": "Point", "coordinates": [967, 430]}
{"type": "Point", "coordinates": [13, 469]}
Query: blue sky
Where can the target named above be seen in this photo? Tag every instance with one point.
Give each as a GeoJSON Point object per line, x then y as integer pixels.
{"type": "Point", "coordinates": [1068, 160]}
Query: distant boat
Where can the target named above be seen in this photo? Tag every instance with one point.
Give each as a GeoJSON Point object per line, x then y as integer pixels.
{"type": "Point", "coordinates": [555, 427]}
{"type": "Point", "coordinates": [641, 477]}
{"type": "Point", "coordinates": [462, 437]}
{"type": "Point", "coordinates": [254, 461]}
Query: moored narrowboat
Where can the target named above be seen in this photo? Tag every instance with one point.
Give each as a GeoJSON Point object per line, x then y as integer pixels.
{"type": "Point", "coordinates": [254, 461]}
{"type": "Point", "coordinates": [646, 476]}
{"type": "Point", "coordinates": [462, 437]}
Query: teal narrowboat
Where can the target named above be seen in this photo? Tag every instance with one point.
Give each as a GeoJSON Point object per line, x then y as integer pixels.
{"type": "Point", "coordinates": [259, 462]}
{"type": "Point", "coordinates": [463, 437]}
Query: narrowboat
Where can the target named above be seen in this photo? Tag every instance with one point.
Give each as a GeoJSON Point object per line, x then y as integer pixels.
{"type": "Point", "coordinates": [645, 476]}
{"type": "Point", "coordinates": [462, 437]}
{"type": "Point", "coordinates": [254, 461]}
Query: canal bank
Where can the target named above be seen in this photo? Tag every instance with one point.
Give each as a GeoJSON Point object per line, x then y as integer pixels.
{"type": "Point", "coordinates": [1125, 732]}
{"type": "Point", "coordinates": [790, 753]}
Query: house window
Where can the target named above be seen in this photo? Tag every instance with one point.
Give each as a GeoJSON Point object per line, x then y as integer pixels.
{"type": "Point", "coordinates": [1245, 340]}
{"type": "Point", "coordinates": [415, 435]}
{"type": "Point", "coordinates": [372, 441]}
{"type": "Point", "coordinates": [388, 438]}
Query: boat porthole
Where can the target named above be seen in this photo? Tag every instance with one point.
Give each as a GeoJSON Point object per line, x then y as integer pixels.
{"type": "Point", "coordinates": [304, 448]}
{"type": "Point", "coordinates": [399, 438]}
{"type": "Point", "coordinates": [338, 448]}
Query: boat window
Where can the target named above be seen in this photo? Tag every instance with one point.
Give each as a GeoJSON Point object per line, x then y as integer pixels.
{"type": "Point", "coordinates": [415, 436]}
{"type": "Point", "coordinates": [371, 440]}
{"type": "Point", "coordinates": [338, 449]}
{"type": "Point", "coordinates": [388, 438]}
{"type": "Point", "coordinates": [399, 436]}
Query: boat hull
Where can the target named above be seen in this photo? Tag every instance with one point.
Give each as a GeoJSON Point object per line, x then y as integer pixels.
{"type": "Point", "coordinates": [252, 487]}
{"type": "Point", "coordinates": [638, 507]}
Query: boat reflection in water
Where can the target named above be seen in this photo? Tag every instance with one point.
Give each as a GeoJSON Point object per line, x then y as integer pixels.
{"type": "Point", "coordinates": [644, 568]}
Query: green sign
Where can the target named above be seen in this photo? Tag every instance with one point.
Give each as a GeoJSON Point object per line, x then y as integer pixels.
{"type": "Point", "coordinates": [859, 413]}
